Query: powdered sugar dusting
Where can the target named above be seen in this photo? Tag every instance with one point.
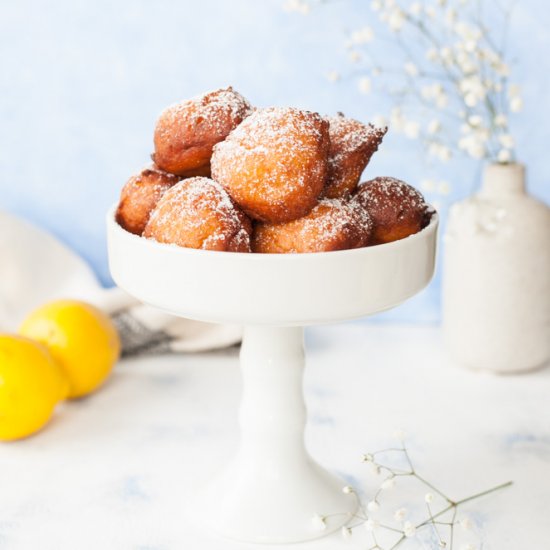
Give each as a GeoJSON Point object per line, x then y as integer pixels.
{"type": "Point", "coordinates": [277, 155]}
{"type": "Point", "coordinates": [212, 109]}
{"type": "Point", "coordinates": [334, 224]}
{"type": "Point", "coordinates": [336, 219]}
{"type": "Point", "coordinates": [198, 211]}
{"type": "Point", "coordinates": [348, 135]}
{"type": "Point", "coordinates": [385, 192]}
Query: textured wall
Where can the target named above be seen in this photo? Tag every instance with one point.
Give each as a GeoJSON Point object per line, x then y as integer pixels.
{"type": "Point", "coordinates": [82, 82]}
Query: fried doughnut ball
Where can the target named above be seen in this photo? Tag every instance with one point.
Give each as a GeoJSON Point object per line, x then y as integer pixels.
{"type": "Point", "coordinates": [198, 213]}
{"type": "Point", "coordinates": [186, 132]}
{"type": "Point", "coordinates": [396, 208]}
{"type": "Point", "coordinates": [333, 224]}
{"type": "Point", "coordinates": [352, 145]}
{"type": "Point", "coordinates": [140, 195]}
{"type": "Point", "coordinates": [275, 163]}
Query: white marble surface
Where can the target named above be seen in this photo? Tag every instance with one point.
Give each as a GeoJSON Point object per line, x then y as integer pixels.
{"type": "Point", "coordinates": [117, 470]}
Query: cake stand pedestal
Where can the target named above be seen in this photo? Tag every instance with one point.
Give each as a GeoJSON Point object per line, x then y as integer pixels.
{"type": "Point", "coordinates": [273, 490]}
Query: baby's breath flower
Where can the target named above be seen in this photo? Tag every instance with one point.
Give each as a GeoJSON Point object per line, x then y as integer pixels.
{"type": "Point", "coordinates": [362, 36]}
{"type": "Point", "coordinates": [396, 20]}
{"type": "Point", "coordinates": [364, 85]}
{"type": "Point", "coordinates": [468, 547]}
{"type": "Point", "coordinates": [432, 54]}
{"type": "Point", "coordinates": [346, 532]}
{"type": "Point", "coordinates": [470, 99]}
{"type": "Point", "coordinates": [475, 121]}
{"type": "Point", "coordinates": [504, 155]}
{"type": "Point", "coordinates": [400, 514]}
{"type": "Point", "coordinates": [444, 153]}
{"type": "Point", "coordinates": [433, 126]}
{"type": "Point", "coordinates": [319, 522]}
{"type": "Point", "coordinates": [409, 529]}
{"type": "Point", "coordinates": [376, 5]}
{"type": "Point", "coordinates": [388, 483]}
{"type": "Point", "coordinates": [466, 71]}
{"type": "Point", "coordinates": [372, 524]}
{"type": "Point", "coordinates": [473, 144]}
{"type": "Point", "coordinates": [373, 506]}
{"type": "Point", "coordinates": [347, 490]}
{"type": "Point", "coordinates": [516, 104]}
{"type": "Point", "coordinates": [428, 498]}
{"type": "Point", "coordinates": [506, 140]}
{"type": "Point", "coordinates": [415, 9]}
{"type": "Point", "coordinates": [470, 46]}
{"type": "Point", "coordinates": [411, 69]}
{"type": "Point", "coordinates": [502, 69]}
{"type": "Point", "coordinates": [397, 119]}
{"type": "Point", "coordinates": [514, 90]}
{"type": "Point", "coordinates": [430, 12]}
{"type": "Point", "coordinates": [375, 469]}
{"type": "Point", "coordinates": [465, 523]}
{"type": "Point", "coordinates": [367, 457]}
{"type": "Point", "coordinates": [450, 17]}
{"type": "Point", "coordinates": [298, 6]}
{"type": "Point", "coordinates": [411, 129]}
{"type": "Point", "coordinates": [446, 55]}
{"type": "Point", "coordinates": [501, 121]}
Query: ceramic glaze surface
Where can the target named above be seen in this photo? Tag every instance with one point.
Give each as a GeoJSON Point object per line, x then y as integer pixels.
{"type": "Point", "coordinates": [497, 276]}
{"type": "Point", "coordinates": [276, 289]}
{"type": "Point", "coordinates": [272, 490]}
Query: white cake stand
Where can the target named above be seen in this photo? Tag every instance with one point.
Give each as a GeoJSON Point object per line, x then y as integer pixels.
{"type": "Point", "coordinates": [273, 489]}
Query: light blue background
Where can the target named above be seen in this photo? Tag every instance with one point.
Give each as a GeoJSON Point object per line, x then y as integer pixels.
{"type": "Point", "coordinates": [81, 84]}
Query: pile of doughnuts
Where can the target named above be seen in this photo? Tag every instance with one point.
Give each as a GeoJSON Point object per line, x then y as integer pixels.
{"type": "Point", "coordinates": [228, 177]}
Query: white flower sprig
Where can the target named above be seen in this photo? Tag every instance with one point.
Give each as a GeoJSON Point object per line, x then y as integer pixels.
{"type": "Point", "coordinates": [404, 528]}
{"type": "Point", "coordinates": [451, 83]}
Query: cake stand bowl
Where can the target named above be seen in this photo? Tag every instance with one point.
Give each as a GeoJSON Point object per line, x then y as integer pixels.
{"type": "Point", "coordinates": [272, 490]}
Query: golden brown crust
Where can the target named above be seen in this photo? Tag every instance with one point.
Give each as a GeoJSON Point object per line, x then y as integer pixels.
{"type": "Point", "coordinates": [140, 195]}
{"type": "Point", "coordinates": [397, 209]}
{"type": "Point", "coordinates": [186, 132]}
{"type": "Point", "coordinates": [198, 213]}
{"type": "Point", "coordinates": [332, 225]}
{"type": "Point", "coordinates": [275, 163]}
{"type": "Point", "coordinates": [352, 145]}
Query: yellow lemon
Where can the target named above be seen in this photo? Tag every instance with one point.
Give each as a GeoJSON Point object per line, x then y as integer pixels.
{"type": "Point", "coordinates": [81, 338]}
{"type": "Point", "coordinates": [31, 385]}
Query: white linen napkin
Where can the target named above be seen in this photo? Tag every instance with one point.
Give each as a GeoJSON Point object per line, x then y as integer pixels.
{"type": "Point", "coordinates": [36, 268]}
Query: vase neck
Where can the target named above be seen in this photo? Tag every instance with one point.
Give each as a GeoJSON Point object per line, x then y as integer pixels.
{"type": "Point", "coordinates": [503, 179]}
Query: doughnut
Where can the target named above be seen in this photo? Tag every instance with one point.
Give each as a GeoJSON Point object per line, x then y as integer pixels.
{"type": "Point", "coordinates": [352, 145]}
{"type": "Point", "coordinates": [334, 224]}
{"type": "Point", "coordinates": [186, 132]}
{"type": "Point", "coordinates": [198, 213]}
{"type": "Point", "coordinates": [397, 209]}
{"type": "Point", "coordinates": [140, 195]}
{"type": "Point", "coordinates": [274, 164]}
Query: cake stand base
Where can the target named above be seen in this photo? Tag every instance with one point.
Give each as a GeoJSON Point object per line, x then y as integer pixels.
{"type": "Point", "coordinates": [273, 491]}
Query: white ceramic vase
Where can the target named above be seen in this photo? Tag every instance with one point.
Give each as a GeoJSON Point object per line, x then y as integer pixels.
{"type": "Point", "coordinates": [496, 286]}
